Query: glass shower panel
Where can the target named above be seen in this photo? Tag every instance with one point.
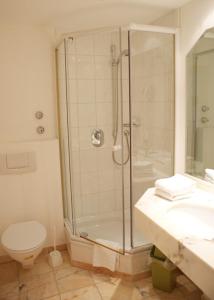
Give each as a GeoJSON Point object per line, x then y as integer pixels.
{"type": "Point", "coordinates": [64, 121]}
{"type": "Point", "coordinates": [152, 112]}
{"type": "Point", "coordinates": [95, 133]}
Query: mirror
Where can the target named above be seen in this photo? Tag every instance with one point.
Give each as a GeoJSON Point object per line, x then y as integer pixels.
{"type": "Point", "coordinates": [200, 108]}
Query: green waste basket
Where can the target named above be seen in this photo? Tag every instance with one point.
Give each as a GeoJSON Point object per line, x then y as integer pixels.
{"type": "Point", "coordinates": [163, 271]}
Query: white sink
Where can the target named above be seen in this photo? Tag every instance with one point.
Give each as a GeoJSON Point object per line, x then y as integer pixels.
{"type": "Point", "coordinates": [192, 220]}
{"type": "Point", "coordinates": [184, 231]}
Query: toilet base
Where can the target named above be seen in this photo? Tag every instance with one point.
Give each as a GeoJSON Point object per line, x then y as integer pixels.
{"type": "Point", "coordinates": [28, 261]}
{"type": "Point", "coordinates": [26, 258]}
{"type": "Point", "coordinates": [27, 266]}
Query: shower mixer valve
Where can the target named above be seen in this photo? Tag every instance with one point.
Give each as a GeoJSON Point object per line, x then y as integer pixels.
{"type": "Point", "coordinates": [97, 137]}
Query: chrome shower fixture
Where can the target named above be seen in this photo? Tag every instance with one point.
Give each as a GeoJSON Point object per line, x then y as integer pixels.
{"type": "Point", "coordinates": [115, 69]}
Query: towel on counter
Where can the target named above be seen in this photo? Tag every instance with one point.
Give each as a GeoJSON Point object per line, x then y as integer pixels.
{"type": "Point", "coordinates": [168, 196]}
{"type": "Point", "coordinates": [208, 179]}
{"type": "Point", "coordinates": [103, 257]}
{"type": "Point", "coordinates": [209, 174]}
{"type": "Point", "coordinates": [175, 187]}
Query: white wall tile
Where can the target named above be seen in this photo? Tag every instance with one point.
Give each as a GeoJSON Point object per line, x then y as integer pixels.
{"type": "Point", "coordinates": [103, 67]}
{"type": "Point", "coordinates": [75, 161]}
{"type": "Point", "coordinates": [73, 114]}
{"type": "Point", "coordinates": [104, 157]}
{"type": "Point", "coordinates": [72, 90]}
{"type": "Point", "coordinates": [77, 201]}
{"type": "Point", "coordinates": [89, 183]}
{"type": "Point", "coordinates": [85, 137]}
{"type": "Point", "coordinates": [90, 204]}
{"type": "Point", "coordinates": [87, 114]}
{"type": "Point", "coordinates": [106, 180]}
{"type": "Point", "coordinates": [84, 45]}
{"type": "Point", "coordinates": [72, 65]}
{"type": "Point", "coordinates": [75, 138]}
{"type": "Point", "coordinates": [70, 46]}
{"type": "Point", "coordinates": [108, 139]}
{"type": "Point", "coordinates": [104, 114]}
{"type": "Point", "coordinates": [107, 201]}
{"type": "Point", "coordinates": [103, 90]}
{"type": "Point", "coordinates": [76, 184]}
{"type": "Point", "coordinates": [86, 91]}
{"type": "Point", "coordinates": [102, 43]}
{"type": "Point", "coordinates": [88, 161]}
{"type": "Point", "coordinates": [85, 67]}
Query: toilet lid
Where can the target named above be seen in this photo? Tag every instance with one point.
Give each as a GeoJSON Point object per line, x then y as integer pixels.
{"type": "Point", "coordinates": [23, 236]}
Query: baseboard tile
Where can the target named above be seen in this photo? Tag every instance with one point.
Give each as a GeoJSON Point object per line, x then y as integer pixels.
{"type": "Point", "coordinates": [105, 271]}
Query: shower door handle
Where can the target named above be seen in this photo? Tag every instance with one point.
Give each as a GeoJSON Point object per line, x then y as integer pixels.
{"type": "Point", "coordinates": [97, 137]}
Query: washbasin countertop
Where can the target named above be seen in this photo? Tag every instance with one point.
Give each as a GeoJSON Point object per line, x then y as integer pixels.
{"type": "Point", "coordinates": [184, 231]}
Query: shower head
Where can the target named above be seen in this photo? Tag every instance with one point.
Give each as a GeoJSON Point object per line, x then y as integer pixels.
{"type": "Point", "coordinates": [125, 52]}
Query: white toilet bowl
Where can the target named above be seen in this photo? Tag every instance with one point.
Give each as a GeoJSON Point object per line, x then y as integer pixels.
{"type": "Point", "coordinates": [24, 241]}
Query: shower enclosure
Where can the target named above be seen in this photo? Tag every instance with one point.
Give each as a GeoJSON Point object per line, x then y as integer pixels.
{"type": "Point", "coordinates": [116, 117]}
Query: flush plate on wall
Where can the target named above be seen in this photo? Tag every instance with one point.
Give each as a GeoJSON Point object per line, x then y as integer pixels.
{"type": "Point", "coordinates": [17, 163]}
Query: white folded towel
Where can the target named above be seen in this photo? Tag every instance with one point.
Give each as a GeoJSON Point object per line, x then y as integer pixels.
{"type": "Point", "coordinates": [208, 179]}
{"type": "Point", "coordinates": [103, 257]}
{"type": "Point", "coordinates": [168, 196]}
{"type": "Point", "coordinates": [209, 173]}
{"type": "Point", "coordinates": [175, 187]}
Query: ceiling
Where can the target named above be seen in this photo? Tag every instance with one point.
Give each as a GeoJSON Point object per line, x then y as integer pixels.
{"type": "Point", "coordinates": [50, 12]}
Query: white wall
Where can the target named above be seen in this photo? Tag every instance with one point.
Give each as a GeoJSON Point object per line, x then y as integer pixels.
{"type": "Point", "coordinates": [195, 17]}
{"type": "Point", "coordinates": [27, 83]}
{"type": "Point", "coordinates": [108, 15]}
{"type": "Point", "coordinates": [192, 19]}
{"type": "Point", "coordinates": [36, 195]}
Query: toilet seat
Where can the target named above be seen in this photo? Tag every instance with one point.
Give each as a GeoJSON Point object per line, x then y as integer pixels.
{"type": "Point", "coordinates": [24, 236]}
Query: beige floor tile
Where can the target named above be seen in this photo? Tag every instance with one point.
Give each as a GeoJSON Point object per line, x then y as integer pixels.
{"type": "Point", "coordinates": [65, 255]}
{"type": "Point", "coordinates": [40, 286]}
{"type": "Point", "coordinates": [148, 292]}
{"type": "Point", "coordinates": [10, 297]}
{"type": "Point", "coordinates": [100, 277]}
{"type": "Point", "coordinates": [42, 292]}
{"type": "Point", "coordinates": [9, 281]}
{"type": "Point", "coordinates": [66, 271]}
{"type": "Point", "coordinates": [41, 266]}
{"type": "Point", "coordinates": [57, 297]}
{"type": "Point", "coordinates": [66, 261]}
{"type": "Point", "coordinates": [8, 273]}
{"type": "Point", "coordinates": [89, 293]}
{"type": "Point", "coordinates": [75, 281]}
{"type": "Point", "coordinates": [175, 295]}
{"type": "Point", "coordinates": [66, 268]}
{"type": "Point", "coordinates": [37, 280]}
{"type": "Point", "coordinates": [121, 291]}
{"type": "Point", "coordinates": [11, 288]}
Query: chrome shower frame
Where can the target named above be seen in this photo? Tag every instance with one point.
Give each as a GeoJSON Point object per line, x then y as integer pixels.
{"type": "Point", "coordinates": [116, 63]}
{"type": "Point", "coordinates": [129, 126]}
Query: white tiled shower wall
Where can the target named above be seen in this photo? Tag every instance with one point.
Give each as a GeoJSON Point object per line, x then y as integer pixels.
{"type": "Point", "coordinates": [152, 98]}
{"type": "Point", "coordinates": [96, 179]}
{"type": "Point", "coordinates": [153, 91]}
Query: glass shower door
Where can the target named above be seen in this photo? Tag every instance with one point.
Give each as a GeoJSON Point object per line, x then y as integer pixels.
{"type": "Point", "coordinates": [92, 117]}
{"type": "Point", "coordinates": [151, 106]}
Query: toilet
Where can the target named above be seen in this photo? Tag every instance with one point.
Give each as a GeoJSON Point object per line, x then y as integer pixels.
{"type": "Point", "coordinates": [24, 241]}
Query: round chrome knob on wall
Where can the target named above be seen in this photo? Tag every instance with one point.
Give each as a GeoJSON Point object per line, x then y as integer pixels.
{"type": "Point", "coordinates": [40, 129]}
{"type": "Point", "coordinates": [39, 115]}
{"type": "Point", "coordinates": [204, 120]}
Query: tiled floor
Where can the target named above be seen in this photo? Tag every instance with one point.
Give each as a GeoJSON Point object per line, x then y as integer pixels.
{"type": "Point", "coordinates": [71, 283]}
